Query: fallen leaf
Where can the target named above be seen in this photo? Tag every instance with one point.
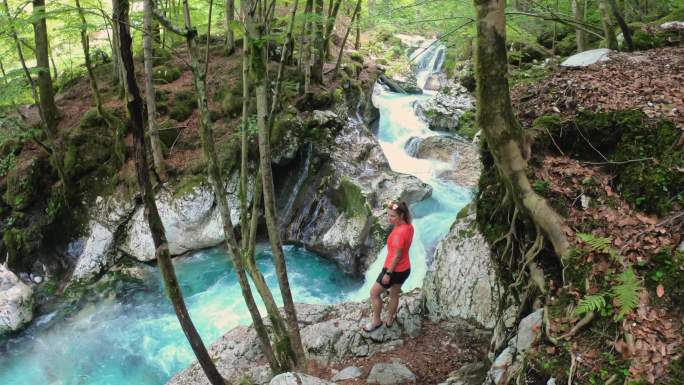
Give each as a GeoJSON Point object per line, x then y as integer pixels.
{"type": "Point", "coordinates": [660, 291]}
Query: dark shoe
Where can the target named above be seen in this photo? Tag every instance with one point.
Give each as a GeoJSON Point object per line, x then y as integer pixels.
{"type": "Point", "coordinates": [391, 323]}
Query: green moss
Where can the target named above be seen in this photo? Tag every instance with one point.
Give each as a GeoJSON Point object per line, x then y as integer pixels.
{"type": "Point", "coordinates": [567, 45]}
{"type": "Point", "coordinates": [675, 375]}
{"type": "Point", "coordinates": [168, 133]}
{"type": "Point", "coordinates": [349, 198]}
{"type": "Point", "coordinates": [651, 185]}
{"type": "Point", "coordinates": [231, 104]}
{"type": "Point", "coordinates": [667, 270]}
{"type": "Point", "coordinates": [187, 184]}
{"type": "Point", "coordinates": [165, 74]}
{"type": "Point", "coordinates": [24, 182]}
{"type": "Point", "coordinates": [184, 103]}
{"type": "Point", "coordinates": [356, 56]}
{"type": "Point", "coordinates": [467, 125]}
{"type": "Point", "coordinates": [228, 153]}
{"type": "Point", "coordinates": [677, 14]}
{"type": "Point", "coordinates": [88, 150]}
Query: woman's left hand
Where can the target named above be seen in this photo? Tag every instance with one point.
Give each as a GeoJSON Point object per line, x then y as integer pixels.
{"type": "Point", "coordinates": [385, 279]}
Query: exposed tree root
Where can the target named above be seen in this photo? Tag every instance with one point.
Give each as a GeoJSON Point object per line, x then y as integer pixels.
{"type": "Point", "coordinates": [586, 320]}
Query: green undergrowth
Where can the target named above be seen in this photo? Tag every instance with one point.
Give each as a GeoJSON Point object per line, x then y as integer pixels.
{"type": "Point", "coordinates": [638, 150]}
{"type": "Point", "coordinates": [182, 105]}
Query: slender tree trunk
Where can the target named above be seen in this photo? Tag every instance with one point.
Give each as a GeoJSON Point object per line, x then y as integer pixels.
{"type": "Point", "coordinates": [50, 114]}
{"type": "Point", "coordinates": [357, 41]}
{"type": "Point", "coordinates": [626, 32]}
{"type": "Point", "coordinates": [318, 48]}
{"type": "Point", "coordinates": [2, 70]}
{"type": "Point", "coordinates": [55, 74]}
{"type": "Point", "coordinates": [230, 36]}
{"type": "Point", "coordinates": [150, 97]}
{"type": "Point", "coordinates": [85, 44]}
{"type": "Point", "coordinates": [330, 26]}
{"type": "Point", "coordinates": [117, 74]}
{"type": "Point", "coordinates": [258, 71]}
{"type": "Point", "coordinates": [578, 11]}
{"type": "Point", "coordinates": [344, 41]}
{"type": "Point", "coordinates": [47, 93]}
{"type": "Point", "coordinates": [303, 37]}
{"type": "Point", "coordinates": [498, 122]}
{"type": "Point", "coordinates": [608, 29]}
{"type": "Point", "coordinates": [135, 111]}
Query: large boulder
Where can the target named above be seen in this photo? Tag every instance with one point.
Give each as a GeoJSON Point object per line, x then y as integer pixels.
{"type": "Point", "coordinates": [462, 157]}
{"type": "Point", "coordinates": [192, 221]}
{"type": "Point", "coordinates": [390, 374]}
{"type": "Point", "coordinates": [16, 302]}
{"type": "Point", "coordinates": [96, 251]}
{"type": "Point", "coordinates": [329, 333]}
{"type": "Point", "coordinates": [587, 58]}
{"type": "Point", "coordinates": [461, 281]}
{"type": "Point", "coordinates": [443, 112]}
{"type": "Point", "coordinates": [436, 81]}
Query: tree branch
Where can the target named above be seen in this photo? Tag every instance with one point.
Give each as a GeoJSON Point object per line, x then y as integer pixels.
{"type": "Point", "coordinates": [168, 24]}
{"type": "Point", "coordinates": [571, 23]}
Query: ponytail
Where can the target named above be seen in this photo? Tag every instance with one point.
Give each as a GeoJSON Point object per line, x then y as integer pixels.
{"type": "Point", "coordinates": [402, 209]}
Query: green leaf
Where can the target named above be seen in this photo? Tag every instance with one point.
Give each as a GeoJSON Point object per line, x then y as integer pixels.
{"type": "Point", "coordinates": [627, 292]}
{"type": "Point", "coordinates": [590, 303]}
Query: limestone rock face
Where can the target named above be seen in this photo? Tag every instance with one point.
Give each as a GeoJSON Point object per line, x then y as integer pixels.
{"type": "Point", "coordinates": [16, 302]}
{"type": "Point", "coordinates": [390, 374]}
{"type": "Point", "coordinates": [442, 112]}
{"type": "Point", "coordinates": [329, 333]}
{"type": "Point", "coordinates": [347, 373]}
{"type": "Point", "coordinates": [192, 221]}
{"type": "Point", "coordinates": [509, 361]}
{"type": "Point", "coordinates": [107, 219]}
{"type": "Point", "coordinates": [587, 58]}
{"type": "Point", "coordinates": [337, 207]}
{"type": "Point", "coordinates": [462, 158]}
{"type": "Point", "coordinates": [461, 282]}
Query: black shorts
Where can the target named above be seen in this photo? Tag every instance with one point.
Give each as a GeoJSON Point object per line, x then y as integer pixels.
{"type": "Point", "coordinates": [396, 278]}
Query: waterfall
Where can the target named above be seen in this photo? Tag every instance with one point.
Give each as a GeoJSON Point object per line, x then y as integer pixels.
{"type": "Point", "coordinates": [429, 59]}
{"type": "Point", "coordinates": [298, 184]}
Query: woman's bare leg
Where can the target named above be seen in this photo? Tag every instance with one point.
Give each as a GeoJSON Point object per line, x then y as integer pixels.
{"type": "Point", "coordinates": [395, 290]}
{"type": "Point", "coordinates": [376, 301]}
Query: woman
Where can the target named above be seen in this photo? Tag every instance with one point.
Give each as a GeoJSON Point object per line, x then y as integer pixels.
{"type": "Point", "coordinates": [397, 265]}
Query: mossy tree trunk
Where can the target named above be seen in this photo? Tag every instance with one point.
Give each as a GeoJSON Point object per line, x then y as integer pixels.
{"type": "Point", "coordinates": [626, 32]}
{"type": "Point", "coordinates": [318, 40]}
{"type": "Point", "coordinates": [357, 9]}
{"type": "Point", "coordinates": [150, 97]}
{"type": "Point", "coordinates": [608, 28]}
{"type": "Point", "coordinates": [255, 30]}
{"type": "Point", "coordinates": [357, 41]}
{"type": "Point", "coordinates": [303, 37]}
{"type": "Point", "coordinates": [45, 88]}
{"type": "Point", "coordinates": [329, 27]}
{"type": "Point", "coordinates": [502, 131]}
{"type": "Point", "coordinates": [230, 36]}
{"type": "Point", "coordinates": [134, 105]}
{"type": "Point", "coordinates": [579, 10]}
{"type": "Point", "coordinates": [85, 44]}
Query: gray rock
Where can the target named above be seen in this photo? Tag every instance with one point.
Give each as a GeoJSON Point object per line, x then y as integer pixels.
{"type": "Point", "coordinates": [469, 374]}
{"type": "Point", "coordinates": [501, 368]}
{"type": "Point", "coordinates": [462, 158]}
{"type": "Point", "coordinates": [16, 302]}
{"type": "Point", "coordinates": [442, 112]}
{"type": "Point", "coordinates": [587, 58]}
{"type": "Point", "coordinates": [347, 373]}
{"type": "Point", "coordinates": [388, 374]}
{"type": "Point", "coordinates": [672, 25]}
{"type": "Point", "coordinates": [529, 331]}
{"type": "Point", "coordinates": [329, 333]}
{"type": "Point", "coordinates": [297, 379]}
{"type": "Point", "coordinates": [435, 82]}
{"type": "Point", "coordinates": [461, 281]}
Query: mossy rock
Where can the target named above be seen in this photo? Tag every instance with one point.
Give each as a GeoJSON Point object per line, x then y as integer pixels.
{"type": "Point", "coordinates": [92, 119]}
{"type": "Point", "coordinates": [182, 106]}
{"type": "Point", "coordinates": [88, 149]}
{"type": "Point", "coordinates": [356, 56]}
{"type": "Point", "coordinates": [381, 61]}
{"type": "Point", "coordinates": [231, 104]}
{"type": "Point", "coordinates": [165, 74]}
{"type": "Point", "coordinates": [228, 153]}
{"type": "Point", "coordinates": [349, 199]}
{"type": "Point", "coordinates": [467, 126]}
{"type": "Point", "coordinates": [567, 45]}
{"type": "Point", "coordinates": [168, 133]}
{"type": "Point", "coordinates": [25, 182]}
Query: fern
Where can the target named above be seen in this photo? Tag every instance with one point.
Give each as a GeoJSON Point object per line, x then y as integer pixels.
{"type": "Point", "coordinates": [600, 244]}
{"type": "Point", "coordinates": [589, 303]}
{"type": "Point", "coordinates": [627, 292]}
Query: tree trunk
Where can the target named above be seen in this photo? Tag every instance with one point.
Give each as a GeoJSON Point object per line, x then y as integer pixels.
{"type": "Point", "coordinates": [52, 61]}
{"type": "Point", "coordinates": [85, 43]}
{"type": "Point", "coordinates": [150, 97]}
{"type": "Point", "coordinates": [47, 92]}
{"type": "Point", "coordinates": [318, 48]}
{"type": "Point", "coordinates": [303, 37]}
{"type": "Point", "coordinates": [230, 36]}
{"type": "Point", "coordinates": [626, 32]}
{"type": "Point", "coordinates": [330, 26]}
{"type": "Point", "coordinates": [135, 110]}
{"type": "Point", "coordinates": [357, 41]}
{"type": "Point", "coordinates": [344, 41]}
{"type": "Point", "coordinates": [258, 71]}
{"type": "Point", "coordinates": [608, 29]}
{"type": "Point", "coordinates": [498, 122]}
{"type": "Point", "coordinates": [578, 11]}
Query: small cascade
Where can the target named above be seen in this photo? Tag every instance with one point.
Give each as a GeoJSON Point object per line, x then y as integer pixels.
{"type": "Point", "coordinates": [429, 59]}
{"type": "Point", "coordinates": [412, 145]}
{"type": "Point", "coordinates": [298, 184]}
